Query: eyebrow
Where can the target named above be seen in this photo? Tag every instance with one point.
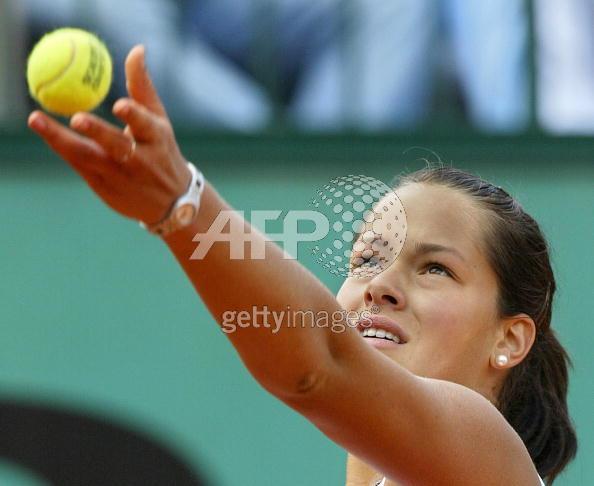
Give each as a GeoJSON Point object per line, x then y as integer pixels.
{"type": "Point", "coordinates": [422, 248]}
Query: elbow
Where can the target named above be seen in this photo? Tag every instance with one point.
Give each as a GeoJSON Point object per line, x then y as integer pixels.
{"type": "Point", "coordinates": [309, 383]}
{"type": "Point", "coordinates": [302, 388]}
{"type": "Point", "coordinates": [297, 376]}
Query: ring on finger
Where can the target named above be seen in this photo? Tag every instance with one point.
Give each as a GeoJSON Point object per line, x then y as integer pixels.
{"type": "Point", "coordinates": [130, 153]}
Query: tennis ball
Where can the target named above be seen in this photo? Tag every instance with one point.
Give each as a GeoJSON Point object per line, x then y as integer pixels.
{"type": "Point", "coordinates": [69, 70]}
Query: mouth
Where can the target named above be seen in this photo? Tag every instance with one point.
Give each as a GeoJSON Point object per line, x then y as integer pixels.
{"type": "Point", "coordinates": [382, 330]}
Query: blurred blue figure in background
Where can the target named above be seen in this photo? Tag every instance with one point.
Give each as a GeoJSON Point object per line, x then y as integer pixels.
{"type": "Point", "coordinates": [199, 86]}
{"type": "Point", "coordinates": [332, 64]}
{"type": "Point", "coordinates": [371, 64]}
{"type": "Point", "coordinates": [276, 41]}
{"type": "Point", "coordinates": [565, 65]}
{"type": "Point", "coordinates": [398, 48]}
{"type": "Point", "coordinates": [204, 79]}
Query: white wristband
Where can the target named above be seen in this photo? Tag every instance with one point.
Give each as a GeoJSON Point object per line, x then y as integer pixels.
{"type": "Point", "coordinates": [184, 210]}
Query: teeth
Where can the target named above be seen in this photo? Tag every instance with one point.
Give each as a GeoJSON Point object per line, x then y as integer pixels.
{"type": "Point", "coordinates": [380, 333]}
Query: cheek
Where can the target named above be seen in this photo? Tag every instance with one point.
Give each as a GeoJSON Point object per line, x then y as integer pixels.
{"type": "Point", "coordinates": [349, 296]}
{"type": "Point", "coordinates": [443, 315]}
{"type": "Point", "coordinates": [453, 326]}
{"type": "Point", "coordinates": [445, 349]}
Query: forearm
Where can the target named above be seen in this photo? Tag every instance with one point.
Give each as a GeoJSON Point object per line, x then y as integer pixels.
{"type": "Point", "coordinates": [283, 359]}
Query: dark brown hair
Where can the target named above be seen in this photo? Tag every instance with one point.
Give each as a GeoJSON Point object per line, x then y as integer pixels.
{"type": "Point", "coordinates": [533, 398]}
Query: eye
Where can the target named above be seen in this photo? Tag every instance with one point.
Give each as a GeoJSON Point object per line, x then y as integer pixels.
{"type": "Point", "coordinates": [432, 265]}
{"type": "Point", "coordinates": [362, 260]}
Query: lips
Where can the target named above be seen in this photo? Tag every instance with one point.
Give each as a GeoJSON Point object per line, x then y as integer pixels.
{"type": "Point", "coordinates": [382, 322]}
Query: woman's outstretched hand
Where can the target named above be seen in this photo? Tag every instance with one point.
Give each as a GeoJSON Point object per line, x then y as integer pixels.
{"type": "Point", "coordinates": [138, 171]}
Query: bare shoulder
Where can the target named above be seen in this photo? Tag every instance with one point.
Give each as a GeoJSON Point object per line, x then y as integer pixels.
{"type": "Point", "coordinates": [415, 430]}
{"type": "Point", "coordinates": [477, 434]}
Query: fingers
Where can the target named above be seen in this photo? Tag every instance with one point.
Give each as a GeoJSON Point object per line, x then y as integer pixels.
{"type": "Point", "coordinates": [143, 124]}
{"type": "Point", "coordinates": [112, 139]}
{"type": "Point", "coordinates": [84, 155]}
{"type": "Point", "coordinates": [139, 83]}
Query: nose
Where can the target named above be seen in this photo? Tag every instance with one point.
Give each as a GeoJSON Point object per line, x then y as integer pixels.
{"type": "Point", "coordinates": [379, 293]}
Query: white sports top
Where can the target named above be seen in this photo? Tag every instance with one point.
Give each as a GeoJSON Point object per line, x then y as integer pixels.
{"type": "Point", "coordinates": [383, 482]}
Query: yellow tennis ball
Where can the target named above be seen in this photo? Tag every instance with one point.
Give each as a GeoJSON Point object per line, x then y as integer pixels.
{"type": "Point", "coordinates": [69, 70]}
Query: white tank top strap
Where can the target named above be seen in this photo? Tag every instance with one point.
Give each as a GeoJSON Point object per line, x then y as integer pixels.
{"type": "Point", "coordinates": [383, 482]}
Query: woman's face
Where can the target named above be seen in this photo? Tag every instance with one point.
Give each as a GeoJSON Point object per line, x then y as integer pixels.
{"type": "Point", "coordinates": [445, 301]}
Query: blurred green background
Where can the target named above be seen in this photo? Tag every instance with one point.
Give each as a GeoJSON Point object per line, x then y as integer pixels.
{"type": "Point", "coordinates": [97, 316]}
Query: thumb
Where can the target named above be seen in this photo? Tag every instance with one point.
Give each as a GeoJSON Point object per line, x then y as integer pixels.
{"type": "Point", "coordinates": [139, 84]}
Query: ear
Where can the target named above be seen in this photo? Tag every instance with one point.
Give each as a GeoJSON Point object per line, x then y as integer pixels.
{"type": "Point", "coordinates": [517, 335]}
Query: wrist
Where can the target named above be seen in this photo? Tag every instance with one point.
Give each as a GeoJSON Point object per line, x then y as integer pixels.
{"type": "Point", "coordinates": [184, 209]}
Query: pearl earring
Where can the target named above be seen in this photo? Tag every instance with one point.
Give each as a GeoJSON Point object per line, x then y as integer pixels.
{"type": "Point", "coordinates": [502, 360]}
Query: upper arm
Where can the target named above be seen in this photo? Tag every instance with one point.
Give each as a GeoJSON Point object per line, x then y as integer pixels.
{"type": "Point", "coordinates": [414, 430]}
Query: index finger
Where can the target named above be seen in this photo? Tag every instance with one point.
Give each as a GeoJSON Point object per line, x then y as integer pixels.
{"type": "Point", "coordinates": [83, 154]}
{"type": "Point", "coordinates": [139, 83]}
